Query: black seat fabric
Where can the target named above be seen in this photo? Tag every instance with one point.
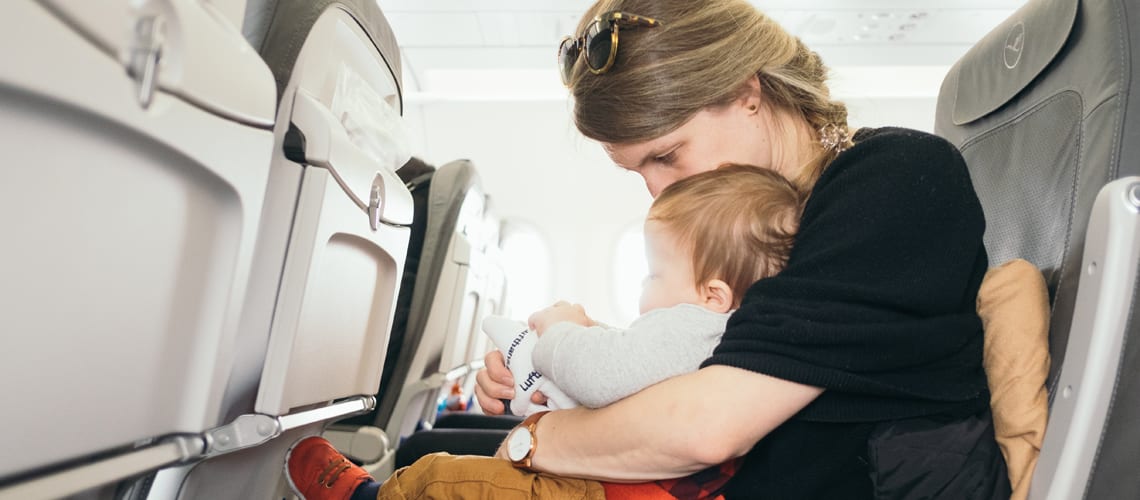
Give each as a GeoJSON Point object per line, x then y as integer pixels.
{"type": "Point", "coordinates": [1045, 112]}
{"type": "Point", "coordinates": [458, 434]}
{"type": "Point", "coordinates": [454, 441]}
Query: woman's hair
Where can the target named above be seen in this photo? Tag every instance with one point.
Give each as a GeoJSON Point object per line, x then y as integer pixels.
{"type": "Point", "coordinates": [700, 57]}
{"type": "Point", "coordinates": [738, 221]}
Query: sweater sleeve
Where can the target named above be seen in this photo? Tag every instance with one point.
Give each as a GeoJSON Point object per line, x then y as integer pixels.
{"type": "Point", "coordinates": [598, 366]}
{"type": "Point", "coordinates": [876, 304]}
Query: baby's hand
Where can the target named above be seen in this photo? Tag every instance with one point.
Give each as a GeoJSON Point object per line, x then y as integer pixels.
{"type": "Point", "coordinates": [557, 313]}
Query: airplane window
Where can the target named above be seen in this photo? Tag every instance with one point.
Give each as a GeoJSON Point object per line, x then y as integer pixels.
{"type": "Point", "coordinates": [630, 268]}
{"type": "Point", "coordinates": [528, 266]}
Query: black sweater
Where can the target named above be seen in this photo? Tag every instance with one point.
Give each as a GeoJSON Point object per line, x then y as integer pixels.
{"type": "Point", "coordinates": [876, 305]}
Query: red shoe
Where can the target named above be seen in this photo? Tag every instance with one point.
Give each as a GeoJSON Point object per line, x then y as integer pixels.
{"type": "Point", "coordinates": [316, 471]}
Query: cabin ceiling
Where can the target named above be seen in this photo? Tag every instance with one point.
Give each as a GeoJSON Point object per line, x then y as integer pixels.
{"type": "Point", "coordinates": [504, 49]}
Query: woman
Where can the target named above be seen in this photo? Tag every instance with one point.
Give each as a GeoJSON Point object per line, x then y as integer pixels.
{"type": "Point", "coordinates": [870, 332]}
{"type": "Point", "coordinates": [854, 373]}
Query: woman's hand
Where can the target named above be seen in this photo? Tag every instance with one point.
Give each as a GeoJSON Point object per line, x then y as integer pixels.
{"type": "Point", "coordinates": [557, 313]}
{"type": "Point", "coordinates": [494, 383]}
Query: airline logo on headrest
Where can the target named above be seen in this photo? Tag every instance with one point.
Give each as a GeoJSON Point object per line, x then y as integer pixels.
{"type": "Point", "coordinates": [1014, 45]}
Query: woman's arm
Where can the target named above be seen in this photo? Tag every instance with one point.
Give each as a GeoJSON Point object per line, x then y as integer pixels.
{"type": "Point", "coordinates": [680, 426]}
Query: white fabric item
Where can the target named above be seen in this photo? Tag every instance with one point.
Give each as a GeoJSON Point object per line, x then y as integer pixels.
{"type": "Point", "coordinates": [517, 343]}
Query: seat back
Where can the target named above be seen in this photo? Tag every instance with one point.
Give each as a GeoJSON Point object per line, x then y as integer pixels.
{"type": "Point", "coordinates": [441, 296]}
{"type": "Point", "coordinates": [457, 282]}
{"type": "Point", "coordinates": [492, 298]}
{"type": "Point", "coordinates": [417, 175]}
{"type": "Point", "coordinates": [130, 209]}
{"type": "Point", "coordinates": [1044, 110]}
{"type": "Point", "coordinates": [331, 246]}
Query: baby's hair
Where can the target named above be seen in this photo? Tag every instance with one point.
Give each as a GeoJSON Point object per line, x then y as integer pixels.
{"type": "Point", "coordinates": [739, 221]}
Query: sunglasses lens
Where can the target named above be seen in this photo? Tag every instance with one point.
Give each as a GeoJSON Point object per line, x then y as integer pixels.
{"type": "Point", "coordinates": [599, 43]}
{"type": "Point", "coordinates": [567, 56]}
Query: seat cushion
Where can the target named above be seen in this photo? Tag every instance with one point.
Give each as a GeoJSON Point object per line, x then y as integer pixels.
{"type": "Point", "coordinates": [1014, 306]}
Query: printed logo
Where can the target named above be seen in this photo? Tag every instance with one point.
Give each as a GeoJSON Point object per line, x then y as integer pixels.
{"type": "Point", "coordinates": [515, 343]}
{"type": "Point", "coordinates": [530, 380]}
{"type": "Point", "coordinates": [1014, 45]}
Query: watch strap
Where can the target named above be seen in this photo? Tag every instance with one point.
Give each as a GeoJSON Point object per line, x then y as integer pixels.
{"type": "Point", "coordinates": [530, 424]}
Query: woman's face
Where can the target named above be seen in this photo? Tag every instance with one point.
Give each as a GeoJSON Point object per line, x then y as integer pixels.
{"type": "Point", "coordinates": [713, 137]}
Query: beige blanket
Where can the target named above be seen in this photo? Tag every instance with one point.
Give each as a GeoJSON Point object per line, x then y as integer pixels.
{"type": "Point", "coordinates": [1014, 306]}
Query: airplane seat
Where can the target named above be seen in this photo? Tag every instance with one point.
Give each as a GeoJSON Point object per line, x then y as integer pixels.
{"type": "Point", "coordinates": [1045, 112]}
{"type": "Point", "coordinates": [417, 176]}
{"type": "Point", "coordinates": [331, 248]}
{"type": "Point", "coordinates": [355, 435]}
{"type": "Point", "coordinates": [130, 207]}
{"type": "Point", "coordinates": [468, 431]}
{"type": "Point", "coordinates": [448, 300]}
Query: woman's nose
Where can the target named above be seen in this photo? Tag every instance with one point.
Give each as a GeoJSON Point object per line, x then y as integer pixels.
{"type": "Point", "coordinates": [654, 183]}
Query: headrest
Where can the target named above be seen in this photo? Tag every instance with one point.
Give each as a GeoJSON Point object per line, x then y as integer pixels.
{"type": "Point", "coordinates": [1010, 57]}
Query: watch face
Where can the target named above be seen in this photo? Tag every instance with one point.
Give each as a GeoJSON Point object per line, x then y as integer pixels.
{"type": "Point", "coordinates": [518, 444]}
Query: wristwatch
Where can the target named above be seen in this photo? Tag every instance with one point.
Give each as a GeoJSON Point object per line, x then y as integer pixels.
{"type": "Point", "coordinates": [522, 441]}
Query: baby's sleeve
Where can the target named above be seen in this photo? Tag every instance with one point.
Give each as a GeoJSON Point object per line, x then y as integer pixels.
{"type": "Point", "coordinates": [598, 366]}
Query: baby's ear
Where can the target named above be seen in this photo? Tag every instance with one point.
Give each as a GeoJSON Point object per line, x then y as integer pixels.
{"type": "Point", "coordinates": [717, 296]}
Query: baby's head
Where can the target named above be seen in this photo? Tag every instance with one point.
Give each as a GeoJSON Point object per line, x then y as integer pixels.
{"type": "Point", "coordinates": [710, 236]}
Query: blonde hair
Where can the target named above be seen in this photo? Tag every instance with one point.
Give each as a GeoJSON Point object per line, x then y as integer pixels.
{"type": "Point", "coordinates": [700, 57]}
{"type": "Point", "coordinates": [738, 222]}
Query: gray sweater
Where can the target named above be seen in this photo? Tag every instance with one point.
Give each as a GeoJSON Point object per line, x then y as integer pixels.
{"type": "Point", "coordinates": [600, 365]}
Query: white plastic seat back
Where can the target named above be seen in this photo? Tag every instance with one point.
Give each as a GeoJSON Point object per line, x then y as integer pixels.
{"type": "Point", "coordinates": [1046, 112]}
{"type": "Point", "coordinates": [130, 205]}
{"type": "Point", "coordinates": [448, 300]}
{"type": "Point", "coordinates": [493, 294]}
{"type": "Point", "coordinates": [333, 242]}
{"type": "Point", "coordinates": [349, 236]}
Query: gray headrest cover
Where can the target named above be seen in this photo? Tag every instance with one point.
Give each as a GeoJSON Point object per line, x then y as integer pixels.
{"type": "Point", "coordinates": [1011, 56]}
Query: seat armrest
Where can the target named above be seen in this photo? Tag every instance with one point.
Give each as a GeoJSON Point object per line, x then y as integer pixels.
{"type": "Point", "coordinates": [364, 444]}
{"type": "Point", "coordinates": [1087, 386]}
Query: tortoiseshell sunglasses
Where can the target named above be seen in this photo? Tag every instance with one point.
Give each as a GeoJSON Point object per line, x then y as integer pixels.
{"type": "Point", "coordinates": [599, 42]}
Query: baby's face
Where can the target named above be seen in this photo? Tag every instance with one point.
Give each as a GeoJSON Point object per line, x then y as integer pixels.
{"type": "Point", "coordinates": [670, 280]}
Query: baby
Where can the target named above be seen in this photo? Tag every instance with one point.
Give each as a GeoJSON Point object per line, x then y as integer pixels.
{"type": "Point", "coordinates": [707, 239]}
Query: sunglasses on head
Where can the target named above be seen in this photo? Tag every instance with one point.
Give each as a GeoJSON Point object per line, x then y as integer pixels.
{"type": "Point", "coordinates": [599, 42]}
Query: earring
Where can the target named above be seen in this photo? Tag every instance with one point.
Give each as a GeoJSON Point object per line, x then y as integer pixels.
{"type": "Point", "coordinates": [834, 137]}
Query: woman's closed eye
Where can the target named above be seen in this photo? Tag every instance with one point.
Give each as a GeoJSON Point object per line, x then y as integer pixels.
{"type": "Point", "coordinates": [667, 159]}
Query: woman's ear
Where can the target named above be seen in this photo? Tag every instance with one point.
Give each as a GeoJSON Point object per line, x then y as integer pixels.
{"type": "Point", "coordinates": [751, 94]}
{"type": "Point", "coordinates": [717, 296]}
